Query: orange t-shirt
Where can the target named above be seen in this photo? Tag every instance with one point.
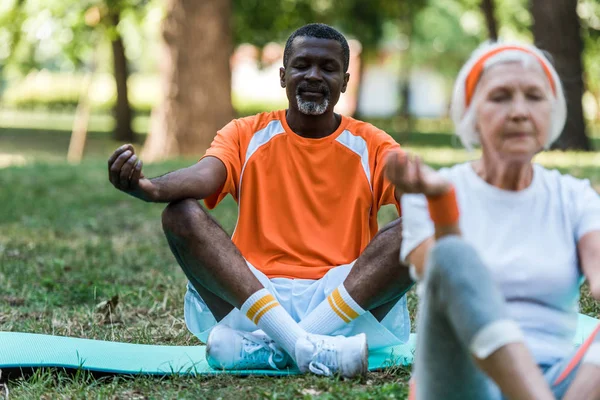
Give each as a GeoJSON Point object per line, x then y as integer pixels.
{"type": "Point", "coordinates": [304, 205]}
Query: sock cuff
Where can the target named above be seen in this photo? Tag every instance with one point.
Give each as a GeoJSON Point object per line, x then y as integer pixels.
{"type": "Point", "coordinates": [258, 304]}
{"type": "Point", "coordinates": [344, 305]}
{"type": "Point", "coordinates": [493, 336]}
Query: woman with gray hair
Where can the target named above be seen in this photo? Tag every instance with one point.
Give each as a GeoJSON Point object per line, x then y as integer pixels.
{"type": "Point", "coordinates": [501, 245]}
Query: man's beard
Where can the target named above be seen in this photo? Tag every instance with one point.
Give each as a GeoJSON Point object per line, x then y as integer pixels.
{"type": "Point", "coordinates": [313, 107]}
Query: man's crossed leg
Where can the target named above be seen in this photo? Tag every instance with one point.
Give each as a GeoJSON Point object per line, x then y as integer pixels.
{"type": "Point", "coordinates": [220, 275]}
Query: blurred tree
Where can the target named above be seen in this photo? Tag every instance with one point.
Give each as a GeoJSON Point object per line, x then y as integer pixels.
{"type": "Point", "coordinates": [557, 29]}
{"type": "Point", "coordinates": [13, 20]}
{"type": "Point", "coordinates": [589, 12]}
{"type": "Point", "coordinates": [260, 22]}
{"type": "Point", "coordinates": [83, 23]}
{"type": "Point", "coordinates": [366, 21]}
{"type": "Point", "coordinates": [488, 8]}
{"type": "Point", "coordinates": [107, 15]}
{"type": "Point", "coordinates": [122, 109]}
{"type": "Point", "coordinates": [16, 50]}
{"type": "Point", "coordinates": [445, 33]}
{"type": "Point", "coordinates": [196, 79]}
{"type": "Point", "coordinates": [514, 19]}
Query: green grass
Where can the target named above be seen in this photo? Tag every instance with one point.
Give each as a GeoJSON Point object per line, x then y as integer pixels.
{"type": "Point", "coordinates": [69, 241]}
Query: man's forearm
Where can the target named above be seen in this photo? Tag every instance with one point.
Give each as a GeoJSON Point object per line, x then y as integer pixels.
{"type": "Point", "coordinates": [180, 185]}
{"type": "Point", "coordinates": [197, 181]}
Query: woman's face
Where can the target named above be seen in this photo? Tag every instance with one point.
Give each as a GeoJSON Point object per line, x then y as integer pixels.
{"type": "Point", "coordinates": [513, 111]}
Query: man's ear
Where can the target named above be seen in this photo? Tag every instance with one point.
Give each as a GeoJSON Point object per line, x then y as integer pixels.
{"type": "Point", "coordinates": [282, 77]}
{"type": "Point", "coordinates": [345, 84]}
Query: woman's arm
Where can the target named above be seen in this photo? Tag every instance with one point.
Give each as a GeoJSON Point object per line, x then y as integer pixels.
{"type": "Point", "coordinates": [585, 385]}
{"type": "Point", "coordinates": [410, 175]}
{"type": "Point", "coordinates": [418, 257]}
{"type": "Point", "coordinates": [589, 258]}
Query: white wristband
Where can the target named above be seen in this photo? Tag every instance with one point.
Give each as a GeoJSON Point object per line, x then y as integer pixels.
{"type": "Point", "coordinates": [493, 336]}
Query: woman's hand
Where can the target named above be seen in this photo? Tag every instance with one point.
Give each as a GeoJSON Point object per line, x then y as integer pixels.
{"type": "Point", "coordinates": [589, 259]}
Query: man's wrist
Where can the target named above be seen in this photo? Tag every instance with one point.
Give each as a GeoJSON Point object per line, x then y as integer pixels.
{"type": "Point", "coordinates": [147, 191]}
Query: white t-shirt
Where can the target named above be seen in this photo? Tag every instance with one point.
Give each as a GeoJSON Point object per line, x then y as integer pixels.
{"type": "Point", "coordinates": [528, 239]}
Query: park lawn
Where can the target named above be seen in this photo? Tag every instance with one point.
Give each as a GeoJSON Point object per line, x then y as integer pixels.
{"type": "Point", "coordinates": [69, 241]}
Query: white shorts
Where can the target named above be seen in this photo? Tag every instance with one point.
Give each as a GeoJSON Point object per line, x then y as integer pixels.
{"type": "Point", "coordinates": [299, 297]}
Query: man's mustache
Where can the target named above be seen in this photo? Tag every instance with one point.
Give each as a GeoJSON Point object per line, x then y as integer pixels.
{"type": "Point", "coordinates": [309, 88]}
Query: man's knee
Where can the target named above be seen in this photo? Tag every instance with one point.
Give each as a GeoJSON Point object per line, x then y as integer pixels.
{"type": "Point", "coordinates": [183, 217]}
{"type": "Point", "coordinates": [387, 240]}
{"type": "Point", "coordinates": [395, 225]}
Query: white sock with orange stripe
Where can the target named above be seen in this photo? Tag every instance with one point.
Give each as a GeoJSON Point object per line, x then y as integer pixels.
{"type": "Point", "coordinates": [265, 311]}
{"type": "Point", "coordinates": [338, 309]}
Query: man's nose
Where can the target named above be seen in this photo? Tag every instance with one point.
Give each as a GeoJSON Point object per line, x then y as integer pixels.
{"type": "Point", "coordinates": [313, 73]}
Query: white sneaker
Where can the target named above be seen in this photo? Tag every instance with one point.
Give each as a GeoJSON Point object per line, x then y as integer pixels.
{"type": "Point", "coordinates": [228, 348]}
{"type": "Point", "coordinates": [330, 355]}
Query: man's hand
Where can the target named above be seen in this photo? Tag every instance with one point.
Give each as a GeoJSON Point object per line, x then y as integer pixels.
{"type": "Point", "coordinates": [125, 173]}
{"type": "Point", "coordinates": [410, 175]}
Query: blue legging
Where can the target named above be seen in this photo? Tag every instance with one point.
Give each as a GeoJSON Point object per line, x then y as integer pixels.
{"type": "Point", "coordinates": [461, 299]}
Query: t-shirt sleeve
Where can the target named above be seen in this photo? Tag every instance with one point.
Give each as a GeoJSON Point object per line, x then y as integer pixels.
{"type": "Point", "coordinates": [588, 209]}
{"type": "Point", "coordinates": [226, 147]}
{"type": "Point", "coordinates": [383, 189]}
{"type": "Point", "coordinates": [416, 224]}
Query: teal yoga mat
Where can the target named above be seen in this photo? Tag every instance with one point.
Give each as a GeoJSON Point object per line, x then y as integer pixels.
{"type": "Point", "coordinates": [28, 350]}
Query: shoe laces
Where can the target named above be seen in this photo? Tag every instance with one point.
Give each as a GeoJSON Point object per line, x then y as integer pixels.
{"type": "Point", "coordinates": [257, 349]}
{"type": "Point", "coordinates": [324, 358]}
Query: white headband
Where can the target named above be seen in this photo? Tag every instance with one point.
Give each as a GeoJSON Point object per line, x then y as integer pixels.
{"type": "Point", "coordinates": [482, 58]}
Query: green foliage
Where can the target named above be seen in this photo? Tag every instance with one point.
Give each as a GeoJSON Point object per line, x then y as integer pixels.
{"type": "Point", "coordinates": [260, 22]}
{"type": "Point", "coordinates": [367, 20]}
{"type": "Point", "coordinates": [589, 11]}
{"type": "Point", "coordinates": [514, 19]}
{"type": "Point", "coordinates": [444, 34]}
{"type": "Point", "coordinates": [10, 28]}
{"type": "Point", "coordinates": [64, 35]}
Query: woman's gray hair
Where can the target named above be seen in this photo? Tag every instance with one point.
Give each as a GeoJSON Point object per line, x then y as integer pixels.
{"type": "Point", "coordinates": [463, 115]}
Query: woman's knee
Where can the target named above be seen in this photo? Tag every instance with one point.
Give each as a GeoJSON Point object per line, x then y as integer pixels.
{"type": "Point", "coordinates": [449, 256]}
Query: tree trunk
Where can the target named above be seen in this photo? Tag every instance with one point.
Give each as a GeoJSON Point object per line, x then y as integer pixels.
{"type": "Point", "coordinates": [556, 29]}
{"type": "Point", "coordinates": [363, 61]}
{"type": "Point", "coordinates": [406, 65]}
{"type": "Point", "coordinates": [488, 8]}
{"type": "Point", "coordinates": [81, 121]}
{"type": "Point", "coordinates": [196, 79]}
{"type": "Point", "coordinates": [122, 109]}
